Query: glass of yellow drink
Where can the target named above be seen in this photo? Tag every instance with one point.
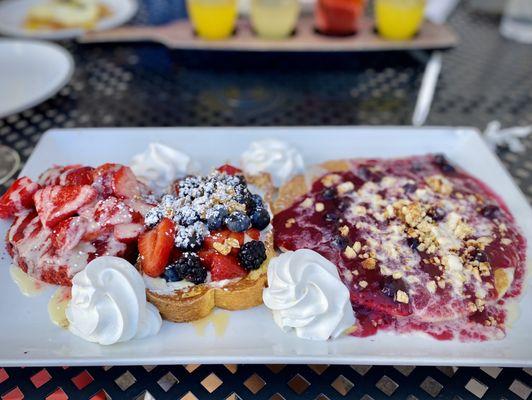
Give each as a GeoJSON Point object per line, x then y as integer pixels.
{"type": "Point", "coordinates": [213, 19]}
{"type": "Point", "coordinates": [274, 19]}
{"type": "Point", "coordinates": [399, 19]}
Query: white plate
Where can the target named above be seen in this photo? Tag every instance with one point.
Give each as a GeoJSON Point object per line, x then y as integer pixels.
{"type": "Point", "coordinates": [29, 338]}
{"type": "Point", "coordinates": [30, 73]}
{"type": "Point", "coordinates": [13, 13]}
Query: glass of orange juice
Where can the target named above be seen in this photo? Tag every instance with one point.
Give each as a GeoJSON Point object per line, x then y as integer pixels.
{"type": "Point", "coordinates": [338, 17]}
{"type": "Point", "coordinates": [274, 19]}
{"type": "Point", "coordinates": [399, 19]}
{"type": "Point", "coordinates": [213, 19]}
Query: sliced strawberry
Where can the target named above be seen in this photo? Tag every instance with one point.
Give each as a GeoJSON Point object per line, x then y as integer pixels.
{"type": "Point", "coordinates": [139, 206]}
{"type": "Point", "coordinates": [18, 198]}
{"type": "Point", "coordinates": [155, 247]}
{"type": "Point", "coordinates": [221, 236]}
{"type": "Point", "coordinates": [56, 203]}
{"type": "Point", "coordinates": [68, 233]}
{"type": "Point", "coordinates": [52, 176]}
{"type": "Point", "coordinates": [229, 169]}
{"type": "Point", "coordinates": [16, 231]}
{"type": "Point", "coordinates": [225, 267]}
{"type": "Point", "coordinates": [127, 233]}
{"type": "Point", "coordinates": [77, 176]}
{"type": "Point", "coordinates": [116, 179]}
{"type": "Point", "coordinates": [125, 184]}
{"type": "Point", "coordinates": [206, 257]}
{"type": "Point", "coordinates": [253, 233]}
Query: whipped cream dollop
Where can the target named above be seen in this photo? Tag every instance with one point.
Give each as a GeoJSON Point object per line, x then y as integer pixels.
{"type": "Point", "coordinates": [275, 157]}
{"type": "Point", "coordinates": [160, 165]}
{"type": "Point", "coordinates": [306, 294]}
{"type": "Point", "coordinates": [109, 304]}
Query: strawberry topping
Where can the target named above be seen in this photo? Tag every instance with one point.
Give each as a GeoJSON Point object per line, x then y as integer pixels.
{"type": "Point", "coordinates": [155, 247]}
{"type": "Point", "coordinates": [55, 203]}
{"type": "Point", "coordinates": [18, 198]}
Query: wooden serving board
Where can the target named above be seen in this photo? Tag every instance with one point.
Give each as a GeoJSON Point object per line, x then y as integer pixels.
{"type": "Point", "coordinates": [180, 35]}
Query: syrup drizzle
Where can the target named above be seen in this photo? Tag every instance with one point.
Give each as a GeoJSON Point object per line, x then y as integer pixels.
{"type": "Point", "coordinates": [27, 285]}
{"type": "Point", "coordinates": [219, 319]}
{"type": "Point", "coordinates": [57, 306]}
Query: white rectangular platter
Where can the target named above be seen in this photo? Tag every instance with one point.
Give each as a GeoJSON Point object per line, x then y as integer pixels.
{"type": "Point", "coordinates": [28, 337]}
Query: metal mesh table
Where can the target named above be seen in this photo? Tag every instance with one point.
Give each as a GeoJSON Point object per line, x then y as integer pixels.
{"type": "Point", "coordinates": [484, 78]}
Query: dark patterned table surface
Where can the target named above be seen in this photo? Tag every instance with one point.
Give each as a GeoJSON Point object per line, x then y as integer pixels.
{"type": "Point", "coordinates": [484, 78]}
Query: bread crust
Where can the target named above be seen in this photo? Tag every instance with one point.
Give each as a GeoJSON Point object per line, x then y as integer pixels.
{"type": "Point", "coordinates": [196, 302]}
{"type": "Point", "coordinates": [301, 184]}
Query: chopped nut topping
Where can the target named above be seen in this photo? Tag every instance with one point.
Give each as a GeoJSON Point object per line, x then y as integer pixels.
{"type": "Point", "coordinates": [222, 248]}
{"type": "Point", "coordinates": [319, 207]}
{"type": "Point", "coordinates": [330, 180]}
{"type": "Point", "coordinates": [431, 286]}
{"type": "Point", "coordinates": [506, 241]}
{"type": "Point", "coordinates": [369, 263]}
{"type": "Point", "coordinates": [397, 275]}
{"type": "Point", "coordinates": [290, 222]}
{"type": "Point", "coordinates": [439, 184]}
{"type": "Point", "coordinates": [345, 187]}
{"type": "Point", "coordinates": [350, 253]}
{"type": "Point", "coordinates": [471, 307]}
{"type": "Point", "coordinates": [363, 284]}
{"type": "Point", "coordinates": [359, 210]}
{"type": "Point", "coordinates": [232, 242]}
{"type": "Point", "coordinates": [441, 284]}
{"type": "Point", "coordinates": [344, 230]}
{"type": "Point", "coordinates": [401, 297]}
{"type": "Point", "coordinates": [307, 203]}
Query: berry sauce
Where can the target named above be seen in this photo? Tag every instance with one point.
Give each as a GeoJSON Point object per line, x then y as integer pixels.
{"type": "Point", "coordinates": [421, 245]}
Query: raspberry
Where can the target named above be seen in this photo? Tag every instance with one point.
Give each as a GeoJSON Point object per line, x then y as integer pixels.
{"type": "Point", "coordinates": [252, 254]}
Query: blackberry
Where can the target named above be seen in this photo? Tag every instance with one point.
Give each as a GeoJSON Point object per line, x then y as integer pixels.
{"type": "Point", "coordinates": [215, 217]}
{"type": "Point", "coordinates": [442, 162]}
{"type": "Point", "coordinates": [238, 222]}
{"type": "Point", "coordinates": [260, 218]}
{"type": "Point", "coordinates": [252, 254]}
{"type": "Point", "coordinates": [190, 267]}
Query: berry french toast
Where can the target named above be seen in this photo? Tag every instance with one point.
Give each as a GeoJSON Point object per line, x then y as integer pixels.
{"type": "Point", "coordinates": [208, 244]}
{"type": "Point", "coordinates": [72, 215]}
{"type": "Point", "coordinates": [421, 245]}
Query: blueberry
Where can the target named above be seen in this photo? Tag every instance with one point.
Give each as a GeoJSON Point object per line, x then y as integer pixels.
{"type": "Point", "coordinates": [412, 243]}
{"type": "Point", "coordinates": [329, 193]}
{"type": "Point", "coordinates": [480, 256]}
{"type": "Point", "coordinates": [257, 200]}
{"type": "Point", "coordinates": [260, 218]}
{"type": "Point", "coordinates": [436, 213]}
{"type": "Point", "coordinates": [215, 217]}
{"type": "Point", "coordinates": [442, 162]}
{"type": "Point", "coordinates": [331, 217]}
{"type": "Point", "coordinates": [391, 286]}
{"type": "Point", "coordinates": [170, 274]}
{"type": "Point", "coordinates": [238, 222]}
{"type": "Point", "coordinates": [410, 188]}
{"type": "Point", "coordinates": [490, 211]}
{"type": "Point", "coordinates": [340, 242]}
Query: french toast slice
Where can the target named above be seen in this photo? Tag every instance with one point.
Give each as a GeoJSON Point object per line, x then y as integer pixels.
{"type": "Point", "coordinates": [198, 301]}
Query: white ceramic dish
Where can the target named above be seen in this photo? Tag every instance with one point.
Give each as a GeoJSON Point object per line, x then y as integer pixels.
{"type": "Point", "coordinates": [30, 73]}
{"type": "Point", "coordinates": [29, 338]}
{"type": "Point", "coordinates": [14, 12]}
